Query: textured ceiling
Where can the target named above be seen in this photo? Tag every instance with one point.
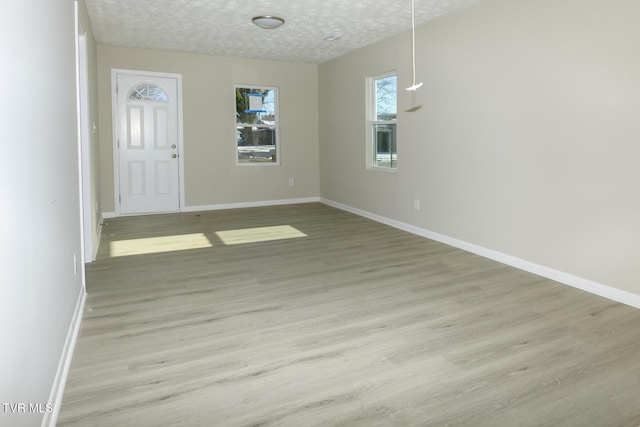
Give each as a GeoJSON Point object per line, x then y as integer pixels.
{"type": "Point", "coordinates": [224, 27]}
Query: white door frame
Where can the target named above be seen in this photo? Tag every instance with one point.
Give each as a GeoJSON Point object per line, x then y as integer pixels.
{"type": "Point", "coordinates": [114, 113]}
{"type": "Point", "coordinates": [88, 211]}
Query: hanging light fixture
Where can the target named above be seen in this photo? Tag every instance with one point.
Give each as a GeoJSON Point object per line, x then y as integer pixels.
{"type": "Point", "coordinates": [414, 86]}
{"type": "Point", "coordinates": [268, 22]}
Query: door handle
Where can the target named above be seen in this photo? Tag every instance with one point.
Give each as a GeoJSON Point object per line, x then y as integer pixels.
{"type": "Point", "coordinates": [174, 155]}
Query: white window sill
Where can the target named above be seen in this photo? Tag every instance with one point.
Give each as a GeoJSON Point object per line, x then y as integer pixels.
{"type": "Point", "coordinates": [379, 169]}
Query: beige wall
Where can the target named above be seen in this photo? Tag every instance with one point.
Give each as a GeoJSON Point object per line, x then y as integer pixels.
{"type": "Point", "coordinates": [211, 176]}
{"type": "Point", "coordinates": [527, 141]}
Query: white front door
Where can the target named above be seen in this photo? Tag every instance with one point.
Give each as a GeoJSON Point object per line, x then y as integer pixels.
{"type": "Point", "coordinates": [147, 144]}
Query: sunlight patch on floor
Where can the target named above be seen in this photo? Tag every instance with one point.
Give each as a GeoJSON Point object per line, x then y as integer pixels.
{"type": "Point", "coordinates": [154, 245]}
{"type": "Point", "coordinates": [259, 234]}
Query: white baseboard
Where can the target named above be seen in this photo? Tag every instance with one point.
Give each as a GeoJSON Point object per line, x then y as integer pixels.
{"type": "Point", "coordinates": [249, 204]}
{"type": "Point", "coordinates": [239, 205]}
{"type": "Point", "coordinates": [57, 391]}
{"type": "Point", "coordinates": [600, 289]}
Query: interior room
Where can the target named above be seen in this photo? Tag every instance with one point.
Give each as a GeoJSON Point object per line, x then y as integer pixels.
{"type": "Point", "coordinates": [424, 213]}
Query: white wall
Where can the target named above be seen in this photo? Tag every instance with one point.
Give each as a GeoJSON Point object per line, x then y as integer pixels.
{"type": "Point", "coordinates": [211, 175]}
{"type": "Point", "coordinates": [527, 139]}
{"type": "Point", "coordinates": [39, 189]}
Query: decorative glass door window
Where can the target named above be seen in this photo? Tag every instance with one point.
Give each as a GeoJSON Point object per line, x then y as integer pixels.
{"type": "Point", "coordinates": [147, 92]}
{"type": "Point", "coordinates": [257, 125]}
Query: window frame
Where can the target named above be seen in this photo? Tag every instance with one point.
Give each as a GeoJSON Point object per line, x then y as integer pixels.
{"type": "Point", "coordinates": [371, 122]}
{"type": "Point", "coordinates": [275, 127]}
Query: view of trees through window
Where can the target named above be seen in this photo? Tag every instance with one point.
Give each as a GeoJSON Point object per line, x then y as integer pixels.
{"type": "Point", "coordinates": [385, 152]}
{"type": "Point", "coordinates": [256, 124]}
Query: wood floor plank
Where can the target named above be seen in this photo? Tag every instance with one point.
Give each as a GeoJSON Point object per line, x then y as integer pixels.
{"type": "Point", "coordinates": [355, 324]}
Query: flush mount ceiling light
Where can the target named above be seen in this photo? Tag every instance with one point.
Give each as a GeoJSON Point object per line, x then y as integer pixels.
{"type": "Point", "coordinates": [268, 22]}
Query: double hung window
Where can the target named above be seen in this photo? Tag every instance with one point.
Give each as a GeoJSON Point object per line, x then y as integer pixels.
{"type": "Point", "coordinates": [382, 147]}
{"type": "Point", "coordinates": [257, 125]}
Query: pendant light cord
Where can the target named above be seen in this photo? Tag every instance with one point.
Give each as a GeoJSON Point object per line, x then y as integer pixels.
{"type": "Point", "coordinates": [413, 46]}
{"type": "Point", "coordinates": [413, 38]}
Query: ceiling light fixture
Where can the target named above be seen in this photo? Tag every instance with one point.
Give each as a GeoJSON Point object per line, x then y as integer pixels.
{"type": "Point", "coordinates": [268, 22]}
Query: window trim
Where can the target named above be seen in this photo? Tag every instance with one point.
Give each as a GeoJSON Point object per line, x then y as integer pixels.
{"type": "Point", "coordinates": [370, 97]}
{"type": "Point", "coordinates": [277, 125]}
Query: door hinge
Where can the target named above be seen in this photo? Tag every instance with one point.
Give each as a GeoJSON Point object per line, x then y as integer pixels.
{"type": "Point", "coordinates": [119, 198]}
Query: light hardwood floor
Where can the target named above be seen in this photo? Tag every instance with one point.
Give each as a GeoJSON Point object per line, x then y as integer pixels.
{"type": "Point", "coordinates": [355, 324]}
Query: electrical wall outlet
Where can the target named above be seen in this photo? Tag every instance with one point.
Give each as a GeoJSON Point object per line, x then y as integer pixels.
{"type": "Point", "coordinates": [291, 182]}
{"type": "Point", "coordinates": [416, 204]}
